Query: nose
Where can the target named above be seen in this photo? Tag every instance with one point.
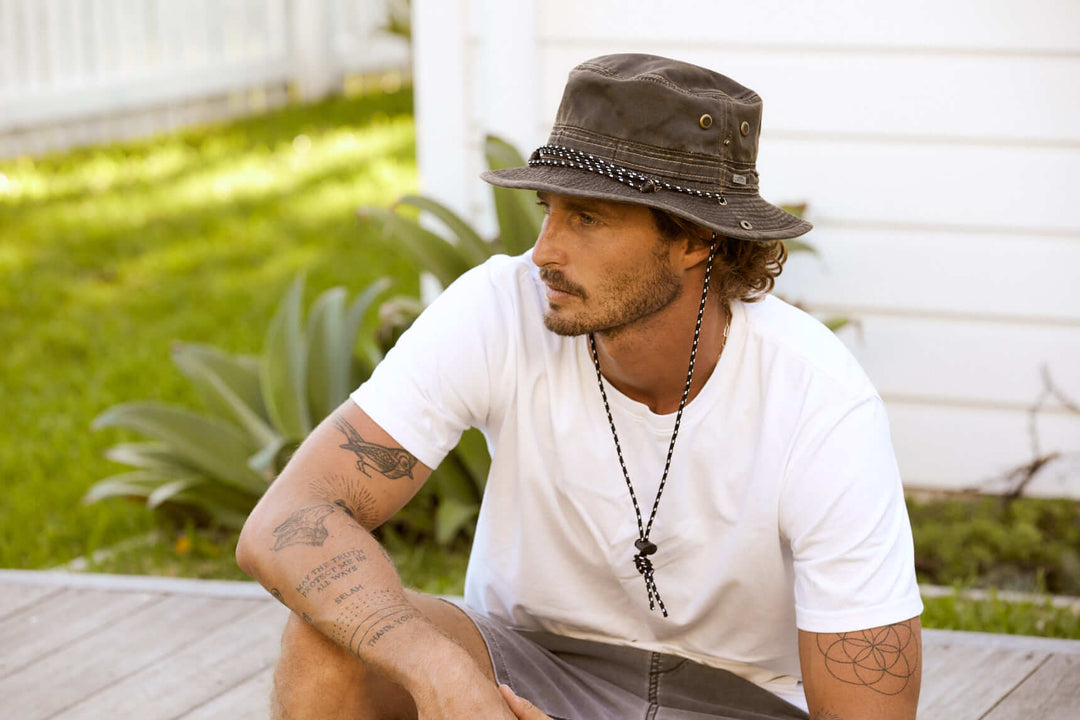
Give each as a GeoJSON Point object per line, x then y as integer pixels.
{"type": "Point", "coordinates": [547, 251]}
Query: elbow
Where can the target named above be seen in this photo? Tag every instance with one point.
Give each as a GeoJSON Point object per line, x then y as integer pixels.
{"type": "Point", "coordinates": [249, 549]}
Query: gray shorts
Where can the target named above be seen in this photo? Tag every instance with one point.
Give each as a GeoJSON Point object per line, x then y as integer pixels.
{"type": "Point", "coordinates": [582, 680]}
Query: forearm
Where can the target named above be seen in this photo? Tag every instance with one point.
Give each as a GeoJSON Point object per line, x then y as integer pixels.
{"type": "Point", "coordinates": [329, 570]}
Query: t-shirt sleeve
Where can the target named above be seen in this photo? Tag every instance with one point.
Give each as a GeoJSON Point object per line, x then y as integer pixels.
{"type": "Point", "coordinates": [437, 380]}
{"type": "Point", "coordinates": [843, 512]}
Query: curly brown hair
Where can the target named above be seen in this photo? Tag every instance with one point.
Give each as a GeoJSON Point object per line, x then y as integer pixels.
{"type": "Point", "coordinates": [744, 269]}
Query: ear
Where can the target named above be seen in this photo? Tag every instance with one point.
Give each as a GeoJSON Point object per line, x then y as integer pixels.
{"type": "Point", "coordinates": [694, 249]}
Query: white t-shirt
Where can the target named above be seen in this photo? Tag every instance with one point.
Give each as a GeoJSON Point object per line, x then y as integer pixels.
{"type": "Point", "coordinates": [783, 508]}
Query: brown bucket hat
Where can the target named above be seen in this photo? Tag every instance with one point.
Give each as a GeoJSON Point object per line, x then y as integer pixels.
{"type": "Point", "coordinates": [663, 133]}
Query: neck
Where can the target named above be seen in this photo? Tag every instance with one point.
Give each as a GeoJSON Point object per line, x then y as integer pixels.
{"type": "Point", "coordinates": [648, 362]}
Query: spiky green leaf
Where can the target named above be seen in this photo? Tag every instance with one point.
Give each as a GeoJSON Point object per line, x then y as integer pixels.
{"type": "Point", "coordinates": [329, 357]}
{"type": "Point", "coordinates": [227, 385]}
{"type": "Point", "coordinates": [472, 453]}
{"type": "Point", "coordinates": [518, 214]}
{"type": "Point", "coordinates": [284, 368]}
{"type": "Point", "coordinates": [795, 246]}
{"type": "Point", "coordinates": [836, 323]}
{"type": "Point", "coordinates": [475, 249]}
{"type": "Point", "coordinates": [149, 456]}
{"type": "Point", "coordinates": [451, 517]}
{"type": "Point", "coordinates": [133, 484]}
{"type": "Point", "coordinates": [428, 251]}
{"type": "Point", "coordinates": [208, 444]}
{"type": "Point", "coordinates": [168, 491]}
{"type": "Point", "coordinates": [369, 354]}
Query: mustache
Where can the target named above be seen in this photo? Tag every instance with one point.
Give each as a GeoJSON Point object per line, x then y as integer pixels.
{"type": "Point", "coordinates": [557, 281]}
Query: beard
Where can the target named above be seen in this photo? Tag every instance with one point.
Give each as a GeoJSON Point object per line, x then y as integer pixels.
{"type": "Point", "coordinates": [620, 301]}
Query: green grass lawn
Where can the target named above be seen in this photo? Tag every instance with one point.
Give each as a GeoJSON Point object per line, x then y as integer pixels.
{"type": "Point", "coordinates": [109, 254]}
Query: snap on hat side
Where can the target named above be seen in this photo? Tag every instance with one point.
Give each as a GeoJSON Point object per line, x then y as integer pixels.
{"type": "Point", "coordinates": [663, 133]}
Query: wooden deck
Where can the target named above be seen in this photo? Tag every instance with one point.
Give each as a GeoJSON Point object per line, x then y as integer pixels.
{"type": "Point", "coordinates": [98, 646]}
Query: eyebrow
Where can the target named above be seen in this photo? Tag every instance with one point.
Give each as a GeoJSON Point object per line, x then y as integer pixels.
{"type": "Point", "coordinates": [577, 204]}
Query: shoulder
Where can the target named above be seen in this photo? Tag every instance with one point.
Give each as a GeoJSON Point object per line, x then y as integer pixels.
{"type": "Point", "coordinates": [501, 280]}
{"type": "Point", "coordinates": [797, 343]}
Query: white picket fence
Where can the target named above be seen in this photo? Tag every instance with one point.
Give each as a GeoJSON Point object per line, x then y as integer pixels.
{"type": "Point", "coordinates": [77, 71]}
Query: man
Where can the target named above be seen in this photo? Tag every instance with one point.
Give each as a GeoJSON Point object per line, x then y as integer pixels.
{"type": "Point", "coordinates": [693, 509]}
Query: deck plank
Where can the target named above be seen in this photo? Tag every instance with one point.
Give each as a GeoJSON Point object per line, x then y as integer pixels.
{"type": "Point", "coordinates": [194, 675]}
{"type": "Point", "coordinates": [963, 682]}
{"type": "Point", "coordinates": [17, 599]}
{"type": "Point", "coordinates": [78, 647]}
{"type": "Point", "coordinates": [1051, 693]}
{"type": "Point", "coordinates": [60, 619]}
{"type": "Point", "coordinates": [148, 635]}
{"type": "Point", "coordinates": [248, 701]}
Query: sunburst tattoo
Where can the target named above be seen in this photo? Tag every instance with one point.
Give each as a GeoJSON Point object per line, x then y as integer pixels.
{"type": "Point", "coordinates": [349, 495]}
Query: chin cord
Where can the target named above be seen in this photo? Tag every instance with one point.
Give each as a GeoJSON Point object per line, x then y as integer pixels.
{"type": "Point", "coordinates": [643, 545]}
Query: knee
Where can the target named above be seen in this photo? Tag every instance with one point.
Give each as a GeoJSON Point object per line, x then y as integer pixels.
{"type": "Point", "coordinates": [316, 678]}
{"type": "Point", "coordinates": [310, 671]}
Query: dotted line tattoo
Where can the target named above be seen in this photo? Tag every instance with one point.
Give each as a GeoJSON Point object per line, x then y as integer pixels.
{"type": "Point", "coordinates": [391, 463]}
{"type": "Point", "coordinates": [883, 659]}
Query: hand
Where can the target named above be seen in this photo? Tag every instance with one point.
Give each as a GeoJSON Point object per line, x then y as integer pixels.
{"type": "Point", "coordinates": [522, 708]}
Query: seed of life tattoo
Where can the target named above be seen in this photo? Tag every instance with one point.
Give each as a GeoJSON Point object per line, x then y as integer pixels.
{"type": "Point", "coordinates": [306, 526]}
{"type": "Point", "coordinates": [355, 499]}
{"type": "Point", "coordinates": [883, 659]}
{"type": "Point", "coordinates": [391, 463]}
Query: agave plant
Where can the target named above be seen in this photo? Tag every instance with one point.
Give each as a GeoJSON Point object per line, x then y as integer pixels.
{"type": "Point", "coordinates": [214, 465]}
{"type": "Point", "coordinates": [458, 484]}
{"type": "Point", "coordinates": [459, 247]}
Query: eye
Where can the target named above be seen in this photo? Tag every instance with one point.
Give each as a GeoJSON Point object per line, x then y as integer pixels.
{"type": "Point", "coordinates": [587, 219]}
{"type": "Point", "coordinates": [544, 206]}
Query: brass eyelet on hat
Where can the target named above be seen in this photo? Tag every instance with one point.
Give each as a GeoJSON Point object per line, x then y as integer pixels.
{"type": "Point", "coordinates": [722, 200]}
{"type": "Point", "coordinates": [705, 121]}
{"type": "Point", "coordinates": [727, 141]}
{"type": "Point", "coordinates": [744, 128]}
{"type": "Point", "coordinates": [745, 225]}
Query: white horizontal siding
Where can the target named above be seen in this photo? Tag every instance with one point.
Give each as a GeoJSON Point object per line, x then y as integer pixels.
{"type": "Point", "coordinates": [937, 146]}
{"type": "Point", "coordinates": [1019, 278]}
{"type": "Point", "coordinates": [923, 25]}
{"type": "Point", "coordinates": [934, 99]}
{"type": "Point", "coordinates": [967, 448]}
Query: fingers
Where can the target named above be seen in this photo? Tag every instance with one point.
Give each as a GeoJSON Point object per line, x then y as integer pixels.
{"type": "Point", "coordinates": [522, 708]}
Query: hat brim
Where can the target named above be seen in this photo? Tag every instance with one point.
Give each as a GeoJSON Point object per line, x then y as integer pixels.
{"type": "Point", "coordinates": [766, 221]}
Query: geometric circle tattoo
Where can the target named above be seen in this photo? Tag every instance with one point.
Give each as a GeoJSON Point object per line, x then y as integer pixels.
{"type": "Point", "coordinates": [877, 659]}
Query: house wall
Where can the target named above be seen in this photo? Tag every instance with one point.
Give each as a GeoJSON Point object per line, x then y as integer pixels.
{"type": "Point", "coordinates": [936, 145]}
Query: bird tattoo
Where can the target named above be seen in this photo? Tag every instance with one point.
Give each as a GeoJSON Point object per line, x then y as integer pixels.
{"type": "Point", "coordinates": [391, 463]}
{"type": "Point", "coordinates": [303, 527]}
